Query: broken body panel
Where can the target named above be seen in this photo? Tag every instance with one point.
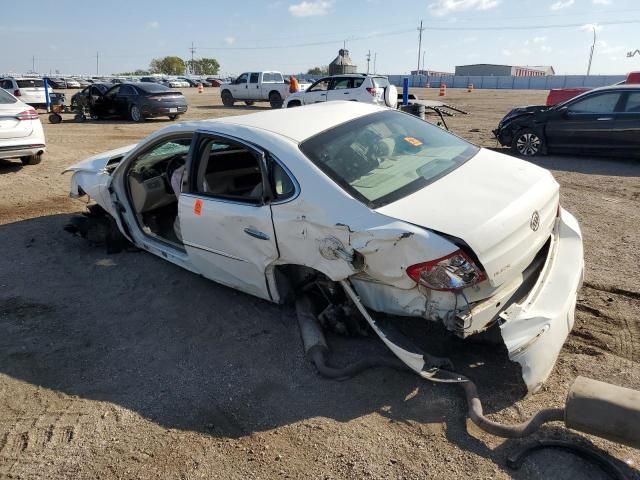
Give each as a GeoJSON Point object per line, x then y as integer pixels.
{"type": "Point", "coordinates": [485, 207]}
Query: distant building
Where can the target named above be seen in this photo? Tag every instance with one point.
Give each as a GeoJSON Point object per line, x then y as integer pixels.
{"type": "Point", "coordinates": [491, 70]}
{"type": "Point", "coordinates": [547, 69]}
{"type": "Point", "coordinates": [430, 73]}
{"type": "Point", "coordinates": [342, 63]}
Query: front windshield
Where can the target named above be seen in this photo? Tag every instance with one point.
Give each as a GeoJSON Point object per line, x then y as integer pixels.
{"type": "Point", "coordinates": [386, 156]}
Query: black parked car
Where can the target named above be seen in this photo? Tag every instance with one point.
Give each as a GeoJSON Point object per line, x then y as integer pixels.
{"type": "Point", "coordinates": [603, 120]}
{"type": "Point", "coordinates": [57, 83]}
{"type": "Point", "coordinates": [139, 101]}
{"type": "Point", "coordinates": [151, 79]}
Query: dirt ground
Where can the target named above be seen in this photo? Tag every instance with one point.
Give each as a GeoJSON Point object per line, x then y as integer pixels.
{"type": "Point", "coordinates": [125, 366]}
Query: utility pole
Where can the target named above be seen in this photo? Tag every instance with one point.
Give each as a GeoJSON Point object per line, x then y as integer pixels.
{"type": "Point", "coordinates": [192, 64]}
{"type": "Point", "coordinates": [97, 63]}
{"type": "Point", "coordinates": [420, 30]}
{"type": "Point", "coordinates": [368, 61]}
{"type": "Point", "coordinates": [423, 54]}
{"type": "Point", "coordinates": [33, 64]}
{"type": "Point", "coordinates": [593, 47]}
{"type": "Point", "coordinates": [375, 57]}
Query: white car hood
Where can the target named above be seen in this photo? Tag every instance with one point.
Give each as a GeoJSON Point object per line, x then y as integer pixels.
{"type": "Point", "coordinates": [98, 162]}
{"type": "Point", "coordinates": [488, 202]}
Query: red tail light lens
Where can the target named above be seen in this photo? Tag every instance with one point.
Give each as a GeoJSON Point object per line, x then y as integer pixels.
{"type": "Point", "coordinates": [16, 93]}
{"type": "Point", "coordinates": [28, 115]}
{"type": "Point", "coordinates": [372, 91]}
{"type": "Point", "coordinates": [451, 273]}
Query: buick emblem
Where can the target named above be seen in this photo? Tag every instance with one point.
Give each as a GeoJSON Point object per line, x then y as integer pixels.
{"type": "Point", "coordinates": [535, 221]}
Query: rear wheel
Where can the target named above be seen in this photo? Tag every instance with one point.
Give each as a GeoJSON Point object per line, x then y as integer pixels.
{"type": "Point", "coordinates": [275, 99]}
{"type": "Point", "coordinates": [32, 159]}
{"type": "Point", "coordinates": [135, 114]}
{"type": "Point", "coordinates": [527, 143]}
{"type": "Point", "coordinates": [227, 98]}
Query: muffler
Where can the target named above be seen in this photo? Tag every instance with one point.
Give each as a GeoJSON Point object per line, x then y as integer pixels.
{"type": "Point", "coordinates": [604, 410]}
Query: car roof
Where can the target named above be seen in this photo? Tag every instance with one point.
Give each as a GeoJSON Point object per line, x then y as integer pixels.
{"type": "Point", "coordinates": [299, 123]}
{"type": "Point", "coordinates": [625, 86]}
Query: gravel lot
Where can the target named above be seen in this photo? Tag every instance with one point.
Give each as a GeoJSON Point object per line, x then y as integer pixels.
{"type": "Point", "coordinates": [125, 366]}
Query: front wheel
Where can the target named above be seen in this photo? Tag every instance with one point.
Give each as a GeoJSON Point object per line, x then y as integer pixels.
{"type": "Point", "coordinates": [293, 103]}
{"type": "Point", "coordinates": [135, 114]}
{"type": "Point", "coordinates": [227, 98]}
{"type": "Point", "coordinates": [31, 159]}
{"type": "Point", "coordinates": [527, 143]}
{"type": "Point", "coordinates": [275, 99]}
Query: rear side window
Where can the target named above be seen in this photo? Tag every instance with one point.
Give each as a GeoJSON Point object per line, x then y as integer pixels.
{"type": "Point", "coordinates": [385, 156]}
{"type": "Point", "coordinates": [6, 98]}
{"type": "Point", "coordinates": [341, 83]}
{"type": "Point", "coordinates": [357, 82]}
{"type": "Point", "coordinates": [254, 78]}
{"type": "Point", "coordinates": [381, 82]}
{"type": "Point", "coordinates": [633, 103]}
{"type": "Point", "coordinates": [30, 83]}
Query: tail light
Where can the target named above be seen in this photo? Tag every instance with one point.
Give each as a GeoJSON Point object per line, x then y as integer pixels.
{"type": "Point", "coordinates": [28, 115]}
{"type": "Point", "coordinates": [372, 91]}
{"type": "Point", "coordinates": [453, 272]}
{"type": "Point", "coordinates": [16, 93]}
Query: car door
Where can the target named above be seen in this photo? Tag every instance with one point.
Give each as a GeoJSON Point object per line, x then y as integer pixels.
{"type": "Point", "coordinates": [585, 123]}
{"type": "Point", "coordinates": [253, 87]}
{"type": "Point", "coordinates": [107, 104]}
{"type": "Point", "coordinates": [318, 91]}
{"type": "Point", "coordinates": [627, 124]}
{"type": "Point", "coordinates": [341, 88]}
{"type": "Point", "coordinates": [124, 98]}
{"type": "Point", "coordinates": [240, 87]}
{"type": "Point", "coordinates": [225, 216]}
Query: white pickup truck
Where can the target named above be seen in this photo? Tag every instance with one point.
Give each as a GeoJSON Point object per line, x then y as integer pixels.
{"type": "Point", "coordinates": [253, 87]}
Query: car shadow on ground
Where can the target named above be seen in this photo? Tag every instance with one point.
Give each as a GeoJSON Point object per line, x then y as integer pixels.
{"type": "Point", "coordinates": [116, 121]}
{"type": "Point", "coordinates": [186, 353]}
{"type": "Point", "coordinates": [588, 165]}
{"type": "Point", "coordinates": [10, 165]}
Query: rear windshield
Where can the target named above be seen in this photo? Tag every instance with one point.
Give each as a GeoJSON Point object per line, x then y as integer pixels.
{"type": "Point", "coordinates": [31, 83]}
{"type": "Point", "coordinates": [152, 87]}
{"type": "Point", "coordinates": [386, 156]}
{"type": "Point", "coordinates": [381, 82]}
{"type": "Point", "coordinates": [6, 97]}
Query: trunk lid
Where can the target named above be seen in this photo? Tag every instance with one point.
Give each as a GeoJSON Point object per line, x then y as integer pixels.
{"type": "Point", "coordinates": [490, 203]}
{"type": "Point", "coordinates": [10, 126]}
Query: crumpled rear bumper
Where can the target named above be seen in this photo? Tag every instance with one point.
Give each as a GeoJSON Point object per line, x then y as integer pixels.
{"type": "Point", "coordinates": [535, 329]}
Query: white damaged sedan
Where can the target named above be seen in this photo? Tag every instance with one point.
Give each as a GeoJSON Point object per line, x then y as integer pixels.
{"type": "Point", "coordinates": [416, 221]}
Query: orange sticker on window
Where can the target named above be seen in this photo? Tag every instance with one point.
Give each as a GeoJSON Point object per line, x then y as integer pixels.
{"type": "Point", "coordinates": [197, 207]}
{"type": "Point", "coordinates": [413, 141]}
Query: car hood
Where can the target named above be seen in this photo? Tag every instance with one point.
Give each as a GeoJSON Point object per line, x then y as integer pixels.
{"type": "Point", "coordinates": [98, 162]}
{"type": "Point", "coordinates": [489, 204]}
{"type": "Point", "coordinates": [520, 111]}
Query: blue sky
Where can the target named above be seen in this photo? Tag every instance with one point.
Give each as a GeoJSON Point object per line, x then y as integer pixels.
{"type": "Point", "coordinates": [294, 35]}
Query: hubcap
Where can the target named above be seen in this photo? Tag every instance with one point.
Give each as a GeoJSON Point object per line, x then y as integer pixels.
{"type": "Point", "coordinates": [528, 144]}
{"type": "Point", "coordinates": [135, 113]}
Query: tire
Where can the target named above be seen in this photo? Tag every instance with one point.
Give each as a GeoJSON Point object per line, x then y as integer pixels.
{"type": "Point", "coordinates": [79, 117]}
{"type": "Point", "coordinates": [227, 98]}
{"type": "Point", "coordinates": [55, 118]}
{"type": "Point", "coordinates": [135, 114]}
{"type": "Point", "coordinates": [173, 117]}
{"type": "Point", "coordinates": [275, 99]}
{"type": "Point", "coordinates": [391, 96]}
{"type": "Point", "coordinates": [527, 143]}
{"type": "Point", "coordinates": [31, 159]}
{"type": "Point", "coordinates": [294, 103]}
{"type": "Point", "coordinates": [249, 102]}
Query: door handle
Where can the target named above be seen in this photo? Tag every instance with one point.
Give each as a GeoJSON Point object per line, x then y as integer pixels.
{"type": "Point", "coordinates": [345, 93]}
{"type": "Point", "coordinates": [256, 233]}
{"type": "Point", "coordinates": [602, 119]}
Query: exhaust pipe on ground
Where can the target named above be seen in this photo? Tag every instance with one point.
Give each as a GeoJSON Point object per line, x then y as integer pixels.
{"type": "Point", "coordinates": [592, 407]}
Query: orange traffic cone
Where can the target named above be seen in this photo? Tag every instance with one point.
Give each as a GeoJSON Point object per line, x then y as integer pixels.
{"type": "Point", "coordinates": [443, 90]}
{"type": "Point", "coordinates": [200, 88]}
{"type": "Point", "coordinates": [470, 88]}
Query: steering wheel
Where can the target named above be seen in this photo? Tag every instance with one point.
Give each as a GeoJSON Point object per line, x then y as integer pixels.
{"type": "Point", "coordinates": [173, 164]}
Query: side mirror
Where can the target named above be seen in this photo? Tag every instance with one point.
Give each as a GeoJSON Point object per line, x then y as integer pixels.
{"type": "Point", "coordinates": [564, 112]}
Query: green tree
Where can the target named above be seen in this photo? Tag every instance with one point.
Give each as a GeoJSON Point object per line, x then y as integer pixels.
{"type": "Point", "coordinates": [168, 65]}
{"type": "Point", "coordinates": [318, 70]}
{"type": "Point", "coordinates": [204, 66]}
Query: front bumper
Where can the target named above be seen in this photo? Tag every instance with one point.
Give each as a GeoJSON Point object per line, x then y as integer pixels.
{"type": "Point", "coordinates": [535, 329]}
